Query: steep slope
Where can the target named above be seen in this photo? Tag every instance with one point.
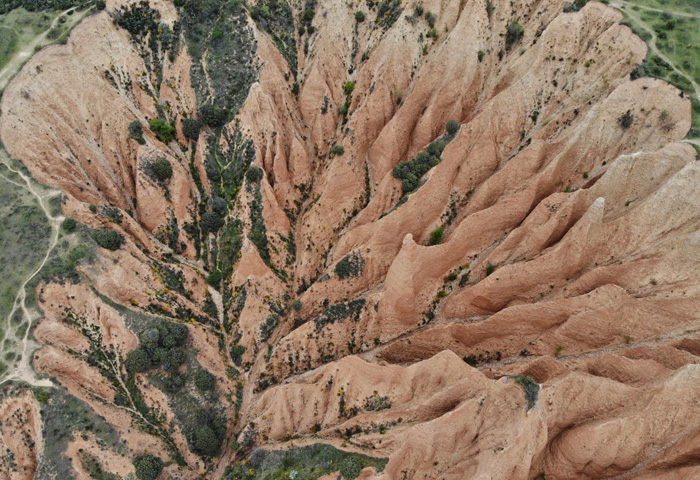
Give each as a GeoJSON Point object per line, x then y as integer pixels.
{"type": "Point", "coordinates": [510, 295]}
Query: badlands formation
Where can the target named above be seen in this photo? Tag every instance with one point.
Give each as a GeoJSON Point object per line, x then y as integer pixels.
{"type": "Point", "coordinates": [524, 307]}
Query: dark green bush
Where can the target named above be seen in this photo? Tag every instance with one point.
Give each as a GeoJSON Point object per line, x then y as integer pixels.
{"type": "Point", "coordinates": [531, 387]}
{"type": "Point", "coordinates": [489, 269]}
{"type": "Point", "coordinates": [69, 225]}
{"type": "Point", "coordinates": [349, 87]}
{"type": "Point", "coordinates": [254, 174]}
{"type": "Point", "coordinates": [514, 32]}
{"type": "Point", "coordinates": [108, 239]}
{"type": "Point", "coordinates": [137, 361]}
{"type": "Point", "coordinates": [359, 16]}
{"type": "Point", "coordinates": [337, 150]}
{"type": "Point", "coordinates": [204, 380]}
{"type": "Point", "coordinates": [191, 127]}
{"type": "Point", "coordinates": [164, 130]}
{"type": "Point", "coordinates": [452, 127]}
{"type": "Point", "coordinates": [214, 278]}
{"type": "Point", "coordinates": [211, 222]}
{"type": "Point", "coordinates": [206, 442]}
{"type": "Point", "coordinates": [136, 132]}
{"type": "Point", "coordinates": [296, 305]}
{"type": "Point", "coordinates": [100, 5]}
{"type": "Point", "coordinates": [162, 169]}
{"type": "Point", "coordinates": [148, 467]}
{"type": "Point", "coordinates": [212, 116]}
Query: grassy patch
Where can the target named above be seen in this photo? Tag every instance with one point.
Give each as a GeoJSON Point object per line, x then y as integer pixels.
{"type": "Point", "coordinates": [301, 463]}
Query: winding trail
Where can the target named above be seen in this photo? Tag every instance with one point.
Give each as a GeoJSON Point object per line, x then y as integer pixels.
{"type": "Point", "coordinates": [22, 369]}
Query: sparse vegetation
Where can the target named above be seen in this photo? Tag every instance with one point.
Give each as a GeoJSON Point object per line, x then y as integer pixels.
{"type": "Point", "coordinates": [436, 235]}
{"type": "Point", "coordinates": [531, 387]}
{"type": "Point", "coordinates": [337, 150]}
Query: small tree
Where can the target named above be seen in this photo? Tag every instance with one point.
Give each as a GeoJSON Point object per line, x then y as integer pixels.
{"type": "Point", "coordinates": [213, 116]}
{"type": "Point", "coordinates": [296, 305]}
{"type": "Point", "coordinates": [436, 235]}
{"type": "Point", "coordinates": [206, 442]}
{"type": "Point", "coordinates": [162, 169]}
{"type": "Point", "coordinates": [337, 150]}
{"type": "Point", "coordinates": [513, 33]}
{"type": "Point", "coordinates": [254, 174]}
{"type": "Point", "coordinates": [164, 130]}
{"type": "Point", "coordinates": [204, 380]}
{"type": "Point", "coordinates": [148, 467]}
{"type": "Point", "coordinates": [349, 87]}
{"type": "Point", "coordinates": [69, 225]}
{"type": "Point", "coordinates": [108, 239]}
{"type": "Point", "coordinates": [100, 5]}
{"type": "Point", "coordinates": [191, 127]}
{"type": "Point", "coordinates": [136, 132]}
{"type": "Point", "coordinates": [343, 268]}
{"type": "Point", "coordinates": [452, 127]}
{"type": "Point", "coordinates": [211, 222]}
{"type": "Point", "coordinates": [359, 16]}
{"type": "Point", "coordinates": [137, 361]}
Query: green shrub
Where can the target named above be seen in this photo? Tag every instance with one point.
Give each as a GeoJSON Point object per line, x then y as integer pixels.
{"type": "Point", "coordinates": [191, 127]}
{"type": "Point", "coordinates": [254, 174]}
{"type": "Point", "coordinates": [164, 130]}
{"type": "Point", "coordinates": [337, 150]}
{"type": "Point", "coordinates": [359, 16]}
{"type": "Point", "coordinates": [148, 467]}
{"type": "Point", "coordinates": [204, 380]}
{"type": "Point", "coordinates": [162, 169]}
{"type": "Point", "coordinates": [452, 127]}
{"type": "Point", "coordinates": [436, 235]}
{"type": "Point", "coordinates": [69, 225]}
{"type": "Point", "coordinates": [212, 116]}
{"type": "Point", "coordinates": [211, 222]}
{"type": "Point", "coordinates": [42, 396]}
{"type": "Point", "coordinates": [514, 32]}
{"type": "Point", "coordinates": [531, 387]}
{"type": "Point", "coordinates": [206, 442]}
{"type": "Point", "coordinates": [136, 132]}
{"type": "Point", "coordinates": [108, 239]}
{"type": "Point", "coordinates": [296, 305]}
{"type": "Point", "coordinates": [137, 361]}
{"type": "Point", "coordinates": [214, 278]}
{"type": "Point", "coordinates": [349, 87]}
{"type": "Point", "coordinates": [489, 269]}
{"type": "Point", "coordinates": [100, 5]}
{"type": "Point", "coordinates": [480, 55]}
{"type": "Point", "coordinates": [92, 207]}
{"type": "Point", "coordinates": [350, 468]}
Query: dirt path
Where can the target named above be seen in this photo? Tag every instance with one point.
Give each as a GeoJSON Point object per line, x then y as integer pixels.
{"type": "Point", "coordinates": [22, 369]}
{"type": "Point", "coordinates": [26, 53]}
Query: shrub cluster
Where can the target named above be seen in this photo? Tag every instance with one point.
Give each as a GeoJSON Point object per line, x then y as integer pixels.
{"type": "Point", "coordinates": [410, 172]}
{"type": "Point", "coordinates": [161, 346]}
{"type": "Point", "coordinates": [108, 239]}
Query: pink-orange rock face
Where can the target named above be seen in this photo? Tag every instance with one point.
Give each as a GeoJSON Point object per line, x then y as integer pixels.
{"type": "Point", "coordinates": [569, 247]}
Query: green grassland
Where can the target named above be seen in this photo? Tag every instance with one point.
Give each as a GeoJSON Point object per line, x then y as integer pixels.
{"type": "Point", "coordinates": [672, 27]}
{"type": "Point", "coordinates": [19, 27]}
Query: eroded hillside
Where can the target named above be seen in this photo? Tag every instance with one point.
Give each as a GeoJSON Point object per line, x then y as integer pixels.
{"type": "Point", "coordinates": [446, 239]}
